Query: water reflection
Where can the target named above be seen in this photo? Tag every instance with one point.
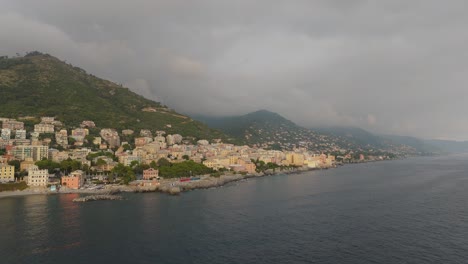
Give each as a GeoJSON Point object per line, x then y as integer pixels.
{"type": "Point", "coordinates": [35, 215]}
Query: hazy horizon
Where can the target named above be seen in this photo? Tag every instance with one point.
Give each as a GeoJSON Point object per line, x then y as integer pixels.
{"type": "Point", "coordinates": [390, 67]}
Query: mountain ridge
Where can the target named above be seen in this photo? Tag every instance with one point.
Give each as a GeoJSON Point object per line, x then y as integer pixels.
{"type": "Point", "coordinates": [269, 129]}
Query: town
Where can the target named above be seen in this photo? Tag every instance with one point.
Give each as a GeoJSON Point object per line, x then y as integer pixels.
{"type": "Point", "coordinates": [53, 157]}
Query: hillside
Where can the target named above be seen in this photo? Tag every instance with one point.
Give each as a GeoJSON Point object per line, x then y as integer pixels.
{"type": "Point", "coordinates": [355, 135]}
{"type": "Point", "coordinates": [42, 85]}
{"type": "Point", "coordinates": [271, 130]}
{"type": "Point", "coordinates": [449, 146]}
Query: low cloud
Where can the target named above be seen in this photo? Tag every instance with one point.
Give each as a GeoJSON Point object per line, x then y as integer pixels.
{"type": "Point", "coordinates": [390, 66]}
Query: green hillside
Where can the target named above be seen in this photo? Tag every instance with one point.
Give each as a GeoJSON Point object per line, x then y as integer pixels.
{"type": "Point", "coordinates": [42, 85]}
{"type": "Point", "coordinates": [271, 130]}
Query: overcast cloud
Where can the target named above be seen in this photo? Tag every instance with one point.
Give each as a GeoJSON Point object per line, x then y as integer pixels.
{"type": "Point", "coordinates": [393, 66]}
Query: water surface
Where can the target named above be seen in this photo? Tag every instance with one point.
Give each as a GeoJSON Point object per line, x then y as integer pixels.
{"type": "Point", "coordinates": [407, 211]}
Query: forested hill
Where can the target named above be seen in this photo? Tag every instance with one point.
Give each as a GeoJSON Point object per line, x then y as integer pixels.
{"type": "Point", "coordinates": [41, 85]}
{"type": "Point", "coordinates": [271, 130]}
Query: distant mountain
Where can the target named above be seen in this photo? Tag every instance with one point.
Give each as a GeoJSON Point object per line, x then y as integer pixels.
{"type": "Point", "coordinates": [450, 146]}
{"type": "Point", "coordinates": [271, 130]}
{"type": "Point", "coordinates": [420, 145]}
{"type": "Point", "coordinates": [356, 135]}
{"type": "Point", "coordinates": [42, 85]}
{"type": "Point", "coordinates": [239, 126]}
{"type": "Point", "coordinates": [367, 139]}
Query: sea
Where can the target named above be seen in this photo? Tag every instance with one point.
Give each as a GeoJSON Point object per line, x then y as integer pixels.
{"type": "Point", "coordinates": [404, 211]}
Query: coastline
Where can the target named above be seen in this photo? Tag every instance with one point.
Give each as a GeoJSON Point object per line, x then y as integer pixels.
{"type": "Point", "coordinates": [171, 186]}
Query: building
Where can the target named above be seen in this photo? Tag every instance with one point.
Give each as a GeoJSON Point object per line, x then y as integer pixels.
{"type": "Point", "coordinates": [128, 159]}
{"type": "Point", "coordinates": [7, 173]}
{"type": "Point", "coordinates": [141, 141]}
{"type": "Point", "coordinates": [35, 152]}
{"type": "Point", "coordinates": [170, 140]}
{"type": "Point", "coordinates": [79, 134]}
{"type": "Point", "coordinates": [6, 134]}
{"type": "Point", "coordinates": [26, 164]}
{"type": "Point", "coordinates": [146, 133]}
{"type": "Point", "coordinates": [111, 136]}
{"type": "Point", "coordinates": [12, 124]}
{"type": "Point", "coordinates": [47, 120]}
{"type": "Point", "coordinates": [44, 128]}
{"type": "Point", "coordinates": [20, 134]}
{"type": "Point", "coordinates": [177, 138]}
{"type": "Point", "coordinates": [150, 174]}
{"type": "Point", "coordinates": [61, 137]}
{"type": "Point", "coordinates": [127, 132]}
{"type": "Point", "coordinates": [296, 159]}
{"type": "Point", "coordinates": [74, 181]}
{"type": "Point", "coordinates": [37, 177]}
{"type": "Point", "coordinates": [88, 123]}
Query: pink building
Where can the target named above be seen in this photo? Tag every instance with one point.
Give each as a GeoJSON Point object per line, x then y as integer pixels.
{"type": "Point", "coordinates": [74, 180]}
{"type": "Point", "coordinates": [150, 174]}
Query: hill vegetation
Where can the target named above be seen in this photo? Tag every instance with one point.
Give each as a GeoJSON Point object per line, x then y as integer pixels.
{"type": "Point", "coordinates": [273, 131]}
{"type": "Point", "coordinates": [41, 85]}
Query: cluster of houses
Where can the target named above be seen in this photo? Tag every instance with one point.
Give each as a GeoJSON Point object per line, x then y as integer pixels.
{"type": "Point", "coordinates": [146, 148]}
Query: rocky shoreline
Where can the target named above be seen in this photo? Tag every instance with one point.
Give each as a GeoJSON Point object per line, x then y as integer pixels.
{"type": "Point", "coordinates": [99, 197]}
{"type": "Point", "coordinates": [206, 182]}
{"type": "Point", "coordinates": [170, 186]}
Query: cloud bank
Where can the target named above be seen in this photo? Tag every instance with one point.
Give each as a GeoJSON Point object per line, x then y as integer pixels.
{"type": "Point", "coordinates": [394, 67]}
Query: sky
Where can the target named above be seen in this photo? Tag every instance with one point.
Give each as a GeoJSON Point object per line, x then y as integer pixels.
{"type": "Point", "coordinates": [392, 67]}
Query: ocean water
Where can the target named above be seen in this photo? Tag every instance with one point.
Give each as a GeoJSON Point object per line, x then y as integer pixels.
{"type": "Point", "coordinates": [406, 211]}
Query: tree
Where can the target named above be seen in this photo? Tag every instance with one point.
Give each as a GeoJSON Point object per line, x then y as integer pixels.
{"type": "Point", "coordinates": [15, 163]}
{"type": "Point", "coordinates": [49, 165]}
{"type": "Point", "coordinates": [162, 162]}
{"type": "Point", "coordinates": [139, 168]}
{"type": "Point", "coordinates": [69, 165]}
{"type": "Point", "coordinates": [124, 172]}
{"type": "Point", "coordinates": [85, 168]}
{"type": "Point", "coordinates": [71, 141]}
{"type": "Point", "coordinates": [186, 157]}
{"type": "Point", "coordinates": [101, 162]}
{"type": "Point", "coordinates": [127, 147]}
{"type": "Point", "coordinates": [134, 163]}
{"type": "Point", "coordinates": [184, 169]}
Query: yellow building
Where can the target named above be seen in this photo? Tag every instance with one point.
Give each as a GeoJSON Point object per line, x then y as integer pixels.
{"type": "Point", "coordinates": [295, 159]}
{"type": "Point", "coordinates": [24, 165]}
{"type": "Point", "coordinates": [7, 173]}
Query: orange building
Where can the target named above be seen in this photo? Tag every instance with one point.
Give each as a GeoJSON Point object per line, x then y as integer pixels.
{"type": "Point", "coordinates": [150, 174]}
{"type": "Point", "coordinates": [74, 180]}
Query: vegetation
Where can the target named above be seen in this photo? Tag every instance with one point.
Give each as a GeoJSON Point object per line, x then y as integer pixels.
{"type": "Point", "coordinates": [271, 131]}
{"type": "Point", "coordinates": [261, 166]}
{"type": "Point", "coordinates": [15, 163]}
{"type": "Point", "coordinates": [183, 169]}
{"type": "Point", "coordinates": [65, 166]}
{"type": "Point", "coordinates": [41, 85]}
{"type": "Point", "coordinates": [13, 186]}
{"type": "Point", "coordinates": [124, 172]}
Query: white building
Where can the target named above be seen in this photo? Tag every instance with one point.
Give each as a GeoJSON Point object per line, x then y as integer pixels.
{"type": "Point", "coordinates": [6, 133]}
{"type": "Point", "coordinates": [44, 128]}
{"type": "Point", "coordinates": [20, 134]}
{"type": "Point", "coordinates": [37, 177]}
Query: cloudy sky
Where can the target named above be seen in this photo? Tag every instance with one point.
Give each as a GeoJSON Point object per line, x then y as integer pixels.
{"type": "Point", "coordinates": [393, 66]}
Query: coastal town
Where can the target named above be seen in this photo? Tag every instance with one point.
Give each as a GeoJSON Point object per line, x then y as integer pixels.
{"type": "Point", "coordinates": [51, 158]}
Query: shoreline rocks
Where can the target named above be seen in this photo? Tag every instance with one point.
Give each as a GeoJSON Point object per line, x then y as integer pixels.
{"type": "Point", "coordinates": [98, 197]}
